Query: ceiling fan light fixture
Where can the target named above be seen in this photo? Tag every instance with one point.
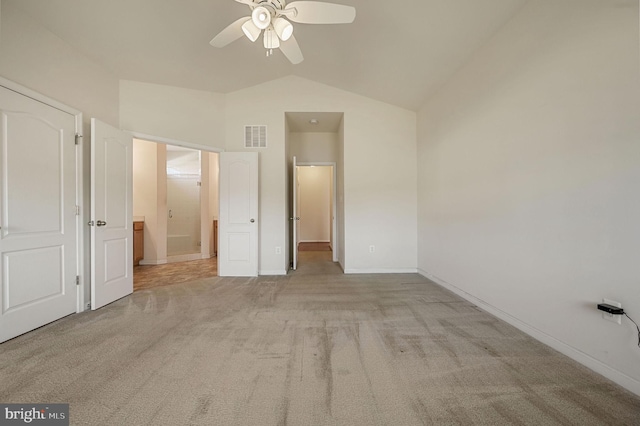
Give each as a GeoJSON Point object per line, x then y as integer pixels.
{"type": "Point", "coordinates": [250, 30]}
{"type": "Point", "coordinates": [283, 28]}
{"type": "Point", "coordinates": [277, 17]}
{"type": "Point", "coordinates": [271, 40]}
{"type": "Point", "coordinates": [261, 17]}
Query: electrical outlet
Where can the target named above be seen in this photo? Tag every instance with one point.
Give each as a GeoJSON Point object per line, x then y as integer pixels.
{"type": "Point", "coordinates": [610, 317]}
{"type": "Point", "coordinates": [372, 249]}
{"type": "Point", "coordinates": [278, 250]}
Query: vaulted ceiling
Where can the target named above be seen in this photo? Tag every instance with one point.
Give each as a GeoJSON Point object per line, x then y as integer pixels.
{"type": "Point", "coordinates": [397, 52]}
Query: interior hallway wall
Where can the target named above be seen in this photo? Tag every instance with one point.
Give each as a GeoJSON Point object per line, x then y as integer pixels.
{"type": "Point", "coordinates": [314, 147]}
{"type": "Point", "coordinates": [528, 182]}
{"type": "Point", "coordinates": [145, 195]}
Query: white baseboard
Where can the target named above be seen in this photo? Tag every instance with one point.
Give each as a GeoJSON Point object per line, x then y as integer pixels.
{"type": "Point", "coordinates": [184, 258]}
{"type": "Point", "coordinates": [153, 262]}
{"type": "Point", "coordinates": [381, 271]}
{"type": "Point", "coordinates": [277, 273]}
{"type": "Point", "coordinates": [599, 367]}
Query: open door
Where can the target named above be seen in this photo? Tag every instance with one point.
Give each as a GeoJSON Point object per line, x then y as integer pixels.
{"type": "Point", "coordinates": [294, 214]}
{"type": "Point", "coordinates": [238, 230]}
{"type": "Point", "coordinates": [111, 214]}
{"type": "Point", "coordinates": [38, 229]}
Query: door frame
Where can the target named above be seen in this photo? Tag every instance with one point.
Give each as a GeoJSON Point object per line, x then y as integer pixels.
{"type": "Point", "coordinates": [295, 220]}
{"type": "Point", "coordinates": [79, 172]}
{"type": "Point", "coordinates": [334, 198]}
{"type": "Point", "coordinates": [170, 141]}
{"type": "Point", "coordinates": [181, 143]}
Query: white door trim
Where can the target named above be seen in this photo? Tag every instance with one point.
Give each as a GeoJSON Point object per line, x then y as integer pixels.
{"type": "Point", "coordinates": [203, 224]}
{"type": "Point", "coordinates": [334, 198]}
{"type": "Point", "coordinates": [177, 142]}
{"type": "Point", "coordinates": [294, 213]}
{"type": "Point", "coordinates": [80, 219]}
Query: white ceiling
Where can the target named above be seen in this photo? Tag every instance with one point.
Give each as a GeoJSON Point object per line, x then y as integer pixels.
{"type": "Point", "coordinates": [397, 52]}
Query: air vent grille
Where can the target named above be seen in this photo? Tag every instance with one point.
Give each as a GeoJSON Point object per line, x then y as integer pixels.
{"type": "Point", "coordinates": [255, 136]}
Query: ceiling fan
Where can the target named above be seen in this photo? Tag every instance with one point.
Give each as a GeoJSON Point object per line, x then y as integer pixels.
{"type": "Point", "coordinates": [273, 17]}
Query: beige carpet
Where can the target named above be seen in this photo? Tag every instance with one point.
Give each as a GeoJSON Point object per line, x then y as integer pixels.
{"type": "Point", "coordinates": [312, 348]}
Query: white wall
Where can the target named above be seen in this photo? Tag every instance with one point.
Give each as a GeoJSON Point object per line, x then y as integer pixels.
{"type": "Point", "coordinates": [37, 59]}
{"type": "Point", "coordinates": [145, 195]}
{"type": "Point", "coordinates": [314, 147]}
{"type": "Point", "coordinates": [379, 171]}
{"type": "Point", "coordinates": [315, 203]}
{"type": "Point", "coordinates": [192, 116]}
{"type": "Point", "coordinates": [529, 179]}
{"type": "Point", "coordinates": [34, 57]}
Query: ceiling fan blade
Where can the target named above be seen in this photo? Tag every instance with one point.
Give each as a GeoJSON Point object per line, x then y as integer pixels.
{"type": "Point", "coordinates": [229, 34]}
{"type": "Point", "coordinates": [313, 12]}
{"type": "Point", "coordinates": [291, 50]}
{"type": "Point", "coordinates": [248, 2]}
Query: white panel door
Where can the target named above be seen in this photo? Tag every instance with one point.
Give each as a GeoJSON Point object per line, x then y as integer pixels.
{"type": "Point", "coordinates": [294, 214]}
{"type": "Point", "coordinates": [238, 228]}
{"type": "Point", "coordinates": [111, 214]}
{"type": "Point", "coordinates": [38, 255]}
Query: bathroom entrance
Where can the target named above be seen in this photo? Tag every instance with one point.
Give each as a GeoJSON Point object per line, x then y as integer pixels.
{"type": "Point", "coordinates": [175, 204]}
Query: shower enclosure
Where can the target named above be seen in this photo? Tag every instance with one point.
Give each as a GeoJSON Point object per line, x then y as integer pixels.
{"type": "Point", "coordinates": [183, 203]}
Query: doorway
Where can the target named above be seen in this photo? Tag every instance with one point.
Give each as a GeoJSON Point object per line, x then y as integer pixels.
{"type": "Point", "coordinates": [176, 208]}
{"type": "Point", "coordinates": [315, 139]}
{"type": "Point", "coordinates": [315, 213]}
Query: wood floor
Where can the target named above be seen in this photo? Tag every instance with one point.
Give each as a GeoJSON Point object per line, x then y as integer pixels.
{"type": "Point", "coordinates": [314, 247]}
{"type": "Point", "coordinates": [146, 277]}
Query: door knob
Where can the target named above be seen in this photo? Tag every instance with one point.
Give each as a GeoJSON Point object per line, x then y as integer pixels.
{"type": "Point", "coordinates": [101, 223]}
{"type": "Point", "coordinates": [252, 220]}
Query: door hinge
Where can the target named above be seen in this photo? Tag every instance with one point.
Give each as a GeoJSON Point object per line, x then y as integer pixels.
{"type": "Point", "coordinates": [78, 137]}
{"type": "Point", "coordinates": [77, 279]}
{"type": "Point", "coordinates": [77, 210]}
{"type": "Point", "coordinates": [199, 183]}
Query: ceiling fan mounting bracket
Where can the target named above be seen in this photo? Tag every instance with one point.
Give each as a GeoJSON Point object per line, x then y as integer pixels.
{"type": "Point", "coordinates": [275, 6]}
